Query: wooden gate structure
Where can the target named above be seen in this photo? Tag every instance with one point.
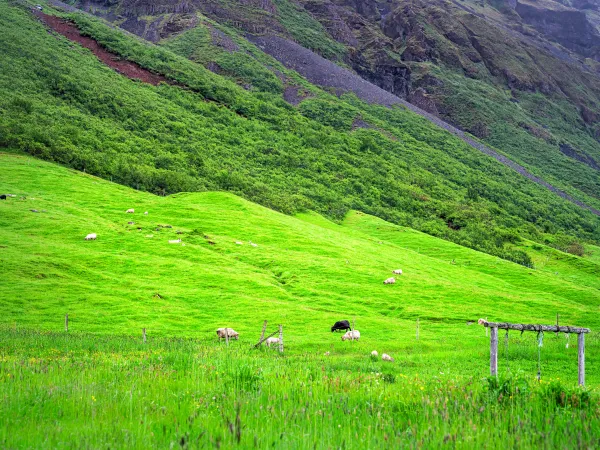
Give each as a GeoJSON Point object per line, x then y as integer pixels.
{"type": "Point", "coordinates": [580, 332]}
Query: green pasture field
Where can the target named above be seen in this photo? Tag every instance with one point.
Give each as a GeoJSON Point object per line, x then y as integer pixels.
{"type": "Point", "coordinates": [99, 386]}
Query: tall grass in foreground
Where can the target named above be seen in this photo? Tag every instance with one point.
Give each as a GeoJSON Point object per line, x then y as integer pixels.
{"type": "Point", "coordinates": [90, 391]}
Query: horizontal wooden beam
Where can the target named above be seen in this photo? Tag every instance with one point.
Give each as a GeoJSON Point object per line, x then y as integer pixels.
{"type": "Point", "coordinates": [531, 327]}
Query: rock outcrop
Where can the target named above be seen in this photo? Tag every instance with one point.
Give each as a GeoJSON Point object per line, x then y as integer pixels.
{"type": "Point", "coordinates": [569, 27]}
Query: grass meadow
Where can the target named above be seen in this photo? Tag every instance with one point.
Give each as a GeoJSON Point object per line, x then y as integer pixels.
{"type": "Point", "coordinates": [99, 386]}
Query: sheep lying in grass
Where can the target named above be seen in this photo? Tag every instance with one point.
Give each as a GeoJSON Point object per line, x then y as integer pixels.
{"type": "Point", "coordinates": [374, 353]}
{"type": "Point", "coordinates": [146, 213]}
{"type": "Point", "coordinates": [174, 241]}
{"type": "Point", "coordinates": [272, 341]}
{"type": "Point", "coordinates": [391, 280]}
{"type": "Point", "coordinates": [91, 237]}
{"type": "Point", "coordinates": [224, 332]}
{"type": "Point", "coordinates": [387, 357]}
{"type": "Point", "coordinates": [351, 335]}
{"type": "Point", "coordinates": [130, 211]}
{"type": "Point", "coordinates": [397, 272]}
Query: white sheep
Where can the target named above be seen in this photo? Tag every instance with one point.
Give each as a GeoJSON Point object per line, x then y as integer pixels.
{"type": "Point", "coordinates": [91, 237]}
{"type": "Point", "coordinates": [271, 341]}
{"type": "Point", "coordinates": [391, 280]}
{"type": "Point", "coordinates": [146, 213]}
{"type": "Point", "coordinates": [351, 335]}
{"type": "Point", "coordinates": [224, 332]}
{"type": "Point", "coordinates": [174, 241]}
{"type": "Point", "coordinates": [374, 353]}
{"type": "Point", "coordinates": [387, 357]}
{"type": "Point", "coordinates": [239, 243]}
{"type": "Point", "coordinates": [397, 272]}
{"type": "Point", "coordinates": [130, 211]}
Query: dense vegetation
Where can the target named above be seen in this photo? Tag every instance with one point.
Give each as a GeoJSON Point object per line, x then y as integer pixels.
{"type": "Point", "coordinates": [484, 70]}
{"type": "Point", "coordinates": [99, 386]}
{"type": "Point", "coordinates": [205, 133]}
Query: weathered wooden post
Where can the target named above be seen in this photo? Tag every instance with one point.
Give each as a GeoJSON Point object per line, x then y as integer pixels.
{"type": "Point", "coordinates": [144, 335]}
{"type": "Point", "coordinates": [494, 352]}
{"type": "Point", "coordinates": [581, 358]}
{"type": "Point", "coordinates": [418, 326]}
{"type": "Point", "coordinates": [281, 339]}
{"type": "Point", "coordinates": [262, 335]}
{"type": "Point", "coordinates": [539, 329]}
{"type": "Point", "coordinates": [66, 322]}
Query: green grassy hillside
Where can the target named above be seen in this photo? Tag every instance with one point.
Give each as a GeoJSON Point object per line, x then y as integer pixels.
{"type": "Point", "coordinates": [305, 272]}
{"type": "Point", "coordinates": [182, 388]}
{"type": "Point", "coordinates": [60, 103]}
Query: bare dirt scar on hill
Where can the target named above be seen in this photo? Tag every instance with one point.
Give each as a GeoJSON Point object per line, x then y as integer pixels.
{"type": "Point", "coordinates": [127, 68]}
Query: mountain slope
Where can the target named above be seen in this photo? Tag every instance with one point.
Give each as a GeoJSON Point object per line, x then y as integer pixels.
{"type": "Point", "coordinates": [479, 65]}
{"type": "Point", "coordinates": [203, 132]}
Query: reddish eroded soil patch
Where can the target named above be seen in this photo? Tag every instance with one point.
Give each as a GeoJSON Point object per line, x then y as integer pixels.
{"type": "Point", "coordinates": [128, 68]}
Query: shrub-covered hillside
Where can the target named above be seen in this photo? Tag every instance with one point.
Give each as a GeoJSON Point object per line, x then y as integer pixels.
{"type": "Point", "coordinates": [203, 132]}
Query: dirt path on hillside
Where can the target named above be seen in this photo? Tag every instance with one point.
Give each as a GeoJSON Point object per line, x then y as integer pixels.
{"type": "Point", "coordinates": [128, 68]}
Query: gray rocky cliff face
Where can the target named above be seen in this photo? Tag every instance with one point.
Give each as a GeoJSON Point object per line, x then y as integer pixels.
{"type": "Point", "coordinates": [568, 26]}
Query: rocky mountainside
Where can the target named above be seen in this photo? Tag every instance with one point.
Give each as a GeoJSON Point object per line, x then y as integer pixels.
{"type": "Point", "coordinates": [521, 75]}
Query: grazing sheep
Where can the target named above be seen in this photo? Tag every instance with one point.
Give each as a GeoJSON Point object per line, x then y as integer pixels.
{"type": "Point", "coordinates": [239, 243]}
{"type": "Point", "coordinates": [253, 244]}
{"type": "Point", "coordinates": [130, 211]}
{"type": "Point", "coordinates": [482, 321]}
{"type": "Point", "coordinates": [91, 237]}
{"type": "Point", "coordinates": [387, 357]}
{"type": "Point", "coordinates": [351, 335]}
{"type": "Point", "coordinates": [374, 353]}
{"type": "Point", "coordinates": [146, 213]}
{"type": "Point", "coordinates": [326, 353]}
{"type": "Point", "coordinates": [342, 325]}
{"type": "Point", "coordinates": [391, 280]}
{"type": "Point", "coordinates": [174, 241]}
{"type": "Point", "coordinates": [272, 340]}
{"type": "Point", "coordinates": [397, 272]}
{"type": "Point", "coordinates": [222, 333]}
{"type": "Point", "coordinates": [130, 223]}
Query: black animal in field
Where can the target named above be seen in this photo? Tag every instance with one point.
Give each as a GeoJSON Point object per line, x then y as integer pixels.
{"type": "Point", "coordinates": [2, 197]}
{"type": "Point", "coordinates": [343, 325]}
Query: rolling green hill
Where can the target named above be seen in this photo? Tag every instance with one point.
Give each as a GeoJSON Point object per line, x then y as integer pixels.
{"type": "Point", "coordinates": [305, 271]}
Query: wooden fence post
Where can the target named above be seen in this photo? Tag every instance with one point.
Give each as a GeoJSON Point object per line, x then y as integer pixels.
{"type": "Point", "coordinates": [280, 338]}
{"type": "Point", "coordinates": [144, 335]}
{"type": "Point", "coordinates": [262, 335]}
{"type": "Point", "coordinates": [494, 352]}
{"type": "Point", "coordinates": [581, 358]}
{"type": "Point", "coordinates": [418, 326]}
{"type": "Point", "coordinates": [66, 322]}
